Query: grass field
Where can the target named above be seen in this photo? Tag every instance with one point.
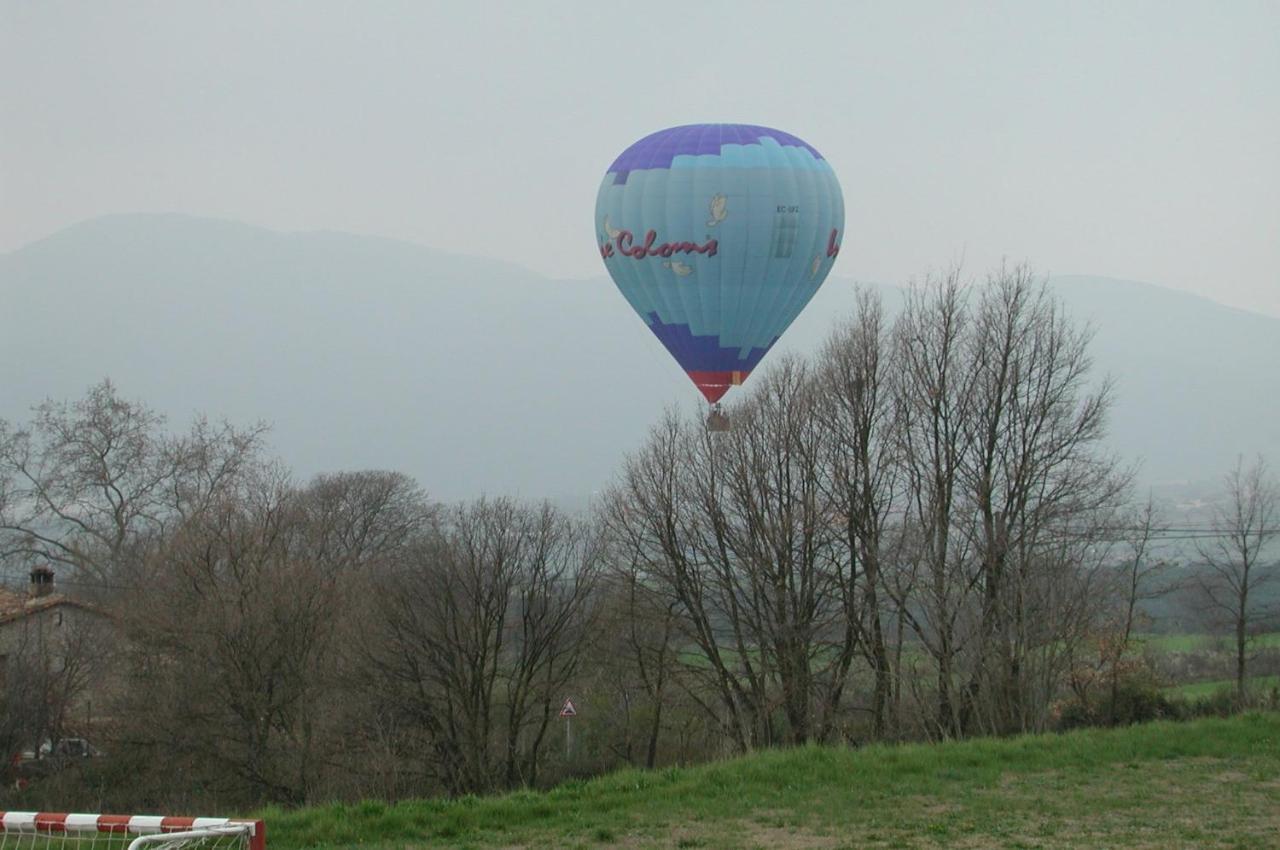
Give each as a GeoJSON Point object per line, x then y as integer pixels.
{"type": "Point", "coordinates": [1201, 690]}
{"type": "Point", "coordinates": [1208, 783]}
{"type": "Point", "coordinates": [1201, 642]}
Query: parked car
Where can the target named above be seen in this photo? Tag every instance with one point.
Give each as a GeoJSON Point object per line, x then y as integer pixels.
{"type": "Point", "coordinates": [64, 749]}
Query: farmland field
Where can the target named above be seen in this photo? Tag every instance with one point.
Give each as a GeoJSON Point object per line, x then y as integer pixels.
{"type": "Point", "coordinates": [1207, 783]}
{"type": "Point", "coordinates": [1203, 642]}
{"type": "Point", "coordinates": [1201, 690]}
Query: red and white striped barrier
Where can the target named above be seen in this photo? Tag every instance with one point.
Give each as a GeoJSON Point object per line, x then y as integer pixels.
{"type": "Point", "coordinates": [64, 823]}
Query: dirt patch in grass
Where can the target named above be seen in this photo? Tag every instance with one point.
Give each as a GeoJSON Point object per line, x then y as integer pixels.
{"type": "Point", "coordinates": [788, 838]}
{"type": "Point", "coordinates": [1231, 776]}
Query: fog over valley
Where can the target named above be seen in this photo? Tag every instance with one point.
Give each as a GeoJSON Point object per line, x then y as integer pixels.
{"type": "Point", "coordinates": [481, 377]}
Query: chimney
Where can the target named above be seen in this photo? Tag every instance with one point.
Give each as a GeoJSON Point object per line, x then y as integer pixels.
{"type": "Point", "coordinates": [41, 581]}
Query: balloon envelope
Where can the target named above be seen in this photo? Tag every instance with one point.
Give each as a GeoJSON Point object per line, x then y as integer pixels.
{"type": "Point", "coordinates": [718, 235]}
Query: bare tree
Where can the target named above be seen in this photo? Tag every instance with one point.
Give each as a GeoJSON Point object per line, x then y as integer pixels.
{"type": "Point", "coordinates": [652, 516]}
{"type": "Point", "coordinates": [479, 631]}
{"type": "Point", "coordinates": [863, 480]}
{"type": "Point", "coordinates": [357, 519]}
{"type": "Point", "coordinates": [83, 481]}
{"type": "Point", "coordinates": [1127, 548]}
{"type": "Point", "coordinates": [206, 465]}
{"type": "Point", "coordinates": [637, 647]}
{"type": "Point", "coordinates": [231, 643]}
{"type": "Point", "coordinates": [933, 402]}
{"type": "Point", "coordinates": [1239, 562]}
{"type": "Point", "coordinates": [89, 484]}
{"type": "Point", "coordinates": [737, 529]}
{"type": "Point", "coordinates": [768, 538]}
{"type": "Point", "coordinates": [1031, 466]}
{"type": "Point", "coordinates": [24, 702]}
{"type": "Point", "coordinates": [1142, 568]}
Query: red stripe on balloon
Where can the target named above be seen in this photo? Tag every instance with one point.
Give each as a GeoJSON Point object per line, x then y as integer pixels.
{"type": "Point", "coordinates": [713, 385]}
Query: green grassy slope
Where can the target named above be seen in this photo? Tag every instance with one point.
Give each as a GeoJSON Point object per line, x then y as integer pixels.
{"type": "Point", "coordinates": [1208, 783]}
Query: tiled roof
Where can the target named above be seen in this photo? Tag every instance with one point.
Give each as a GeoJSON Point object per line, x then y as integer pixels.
{"type": "Point", "coordinates": [10, 603]}
{"type": "Point", "coordinates": [14, 606]}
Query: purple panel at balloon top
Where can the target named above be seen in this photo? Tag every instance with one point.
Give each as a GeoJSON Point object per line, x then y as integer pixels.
{"type": "Point", "coordinates": [659, 149]}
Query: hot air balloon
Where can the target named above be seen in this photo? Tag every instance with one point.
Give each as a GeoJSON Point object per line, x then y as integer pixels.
{"type": "Point", "coordinates": [718, 235]}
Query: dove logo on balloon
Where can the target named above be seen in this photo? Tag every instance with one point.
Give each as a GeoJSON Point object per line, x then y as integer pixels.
{"type": "Point", "coordinates": [776, 211]}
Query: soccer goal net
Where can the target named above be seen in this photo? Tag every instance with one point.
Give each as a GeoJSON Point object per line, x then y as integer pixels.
{"type": "Point", "coordinates": [60, 831]}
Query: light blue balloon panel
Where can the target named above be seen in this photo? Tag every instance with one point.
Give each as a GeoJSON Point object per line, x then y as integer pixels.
{"type": "Point", "coordinates": [718, 235]}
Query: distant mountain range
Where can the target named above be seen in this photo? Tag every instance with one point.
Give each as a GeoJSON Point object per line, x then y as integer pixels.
{"type": "Point", "coordinates": [477, 376]}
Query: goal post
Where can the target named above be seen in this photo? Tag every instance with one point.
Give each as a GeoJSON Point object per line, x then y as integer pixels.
{"type": "Point", "coordinates": [71, 831]}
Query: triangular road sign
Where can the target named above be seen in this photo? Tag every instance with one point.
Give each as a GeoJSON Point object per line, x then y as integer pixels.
{"type": "Point", "coordinates": [568, 709]}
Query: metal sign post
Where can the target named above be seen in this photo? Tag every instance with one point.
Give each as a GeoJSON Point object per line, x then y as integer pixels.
{"type": "Point", "coordinates": [568, 711]}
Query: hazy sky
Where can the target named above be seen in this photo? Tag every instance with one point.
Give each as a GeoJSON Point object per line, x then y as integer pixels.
{"type": "Point", "coordinates": [1137, 140]}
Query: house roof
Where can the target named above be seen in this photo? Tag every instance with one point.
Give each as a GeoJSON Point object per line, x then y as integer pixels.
{"type": "Point", "coordinates": [15, 606]}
